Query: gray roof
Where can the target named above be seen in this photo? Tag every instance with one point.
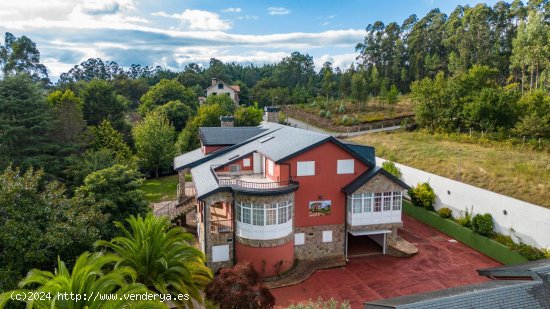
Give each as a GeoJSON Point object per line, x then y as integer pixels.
{"type": "Point", "coordinates": [211, 136]}
{"type": "Point", "coordinates": [531, 293]}
{"type": "Point", "coordinates": [517, 270]}
{"type": "Point", "coordinates": [367, 152]}
{"type": "Point", "coordinates": [276, 142]}
{"type": "Point", "coordinates": [368, 175]}
{"type": "Point", "coordinates": [188, 157]}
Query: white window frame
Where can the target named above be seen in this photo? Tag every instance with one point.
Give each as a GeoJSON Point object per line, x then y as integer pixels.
{"type": "Point", "coordinates": [220, 253]}
{"type": "Point", "coordinates": [299, 239]}
{"type": "Point", "coordinates": [305, 168]}
{"type": "Point", "coordinates": [327, 236]}
{"type": "Point", "coordinates": [345, 167]}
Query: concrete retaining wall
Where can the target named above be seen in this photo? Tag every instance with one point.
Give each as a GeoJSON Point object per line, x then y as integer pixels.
{"type": "Point", "coordinates": [530, 222]}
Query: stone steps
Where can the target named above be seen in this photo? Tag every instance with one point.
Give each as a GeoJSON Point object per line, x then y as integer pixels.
{"type": "Point", "coordinates": [401, 248]}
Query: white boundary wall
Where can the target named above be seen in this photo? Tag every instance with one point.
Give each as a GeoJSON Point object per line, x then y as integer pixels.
{"type": "Point", "coordinates": [530, 222]}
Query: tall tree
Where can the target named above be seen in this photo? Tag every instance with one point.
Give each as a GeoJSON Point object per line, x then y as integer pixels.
{"type": "Point", "coordinates": [162, 256]}
{"type": "Point", "coordinates": [107, 137]}
{"type": "Point", "coordinates": [154, 138]}
{"type": "Point", "coordinates": [20, 55]}
{"type": "Point", "coordinates": [39, 223]}
{"type": "Point", "coordinates": [67, 109]}
{"type": "Point", "coordinates": [26, 124]}
{"type": "Point", "coordinates": [164, 92]}
{"type": "Point", "coordinates": [208, 115]}
{"type": "Point", "coordinates": [177, 112]}
{"type": "Point", "coordinates": [102, 103]}
{"type": "Point", "coordinates": [115, 192]}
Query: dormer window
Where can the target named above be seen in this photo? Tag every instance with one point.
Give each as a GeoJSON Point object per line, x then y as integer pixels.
{"type": "Point", "coordinates": [220, 86]}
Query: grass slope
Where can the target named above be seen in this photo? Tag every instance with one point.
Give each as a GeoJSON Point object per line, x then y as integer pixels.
{"type": "Point", "coordinates": [161, 189]}
{"type": "Point", "coordinates": [510, 170]}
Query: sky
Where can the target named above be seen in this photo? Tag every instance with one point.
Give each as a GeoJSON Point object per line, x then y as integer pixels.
{"type": "Point", "coordinates": [172, 33]}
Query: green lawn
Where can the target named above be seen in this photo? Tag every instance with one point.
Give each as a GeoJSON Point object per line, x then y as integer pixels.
{"type": "Point", "coordinates": [514, 171]}
{"type": "Point", "coordinates": [162, 189]}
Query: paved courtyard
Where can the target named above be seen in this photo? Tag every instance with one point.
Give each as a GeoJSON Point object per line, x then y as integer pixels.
{"type": "Point", "coordinates": [440, 263]}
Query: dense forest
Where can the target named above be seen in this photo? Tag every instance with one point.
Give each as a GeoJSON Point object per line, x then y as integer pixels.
{"type": "Point", "coordinates": [73, 152]}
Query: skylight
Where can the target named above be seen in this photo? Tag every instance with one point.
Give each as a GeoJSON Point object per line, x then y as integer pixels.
{"type": "Point", "coordinates": [266, 139]}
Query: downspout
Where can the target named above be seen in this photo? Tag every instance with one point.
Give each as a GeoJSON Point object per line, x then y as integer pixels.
{"type": "Point", "coordinates": [206, 229]}
{"type": "Point", "coordinates": [234, 222]}
{"type": "Point", "coordinates": [346, 228]}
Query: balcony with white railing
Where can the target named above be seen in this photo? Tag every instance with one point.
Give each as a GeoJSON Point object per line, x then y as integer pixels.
{"type": "Point", "coordinates": [254, 183]}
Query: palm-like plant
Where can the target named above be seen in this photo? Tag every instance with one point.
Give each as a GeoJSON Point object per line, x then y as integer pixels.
{"type": "Point", "coordinates": [93, 277]}
{"type": "Point", "coordinates": [162, 256]}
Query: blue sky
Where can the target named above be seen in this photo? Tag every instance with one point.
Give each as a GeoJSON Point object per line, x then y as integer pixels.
{"type": "Point", "coordinates": [172, 33]}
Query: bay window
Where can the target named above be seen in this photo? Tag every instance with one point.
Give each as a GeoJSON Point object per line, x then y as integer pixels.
{"type": "Point", "coordinates": [264, 214]}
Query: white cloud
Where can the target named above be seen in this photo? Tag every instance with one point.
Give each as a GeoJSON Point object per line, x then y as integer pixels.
{"type": "Point", "coordinates": [232, 10]}
{"type": "Point", "coordinates": [254, 17]}
{"type": "Point", "coordinates": [278, 11]}
{"type": "Point", "coordinates": [339, 60]}
{"type": "Point", "coordinates": [198, 20]}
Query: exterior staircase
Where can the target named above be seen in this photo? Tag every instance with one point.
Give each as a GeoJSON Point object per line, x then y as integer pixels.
{"type": "Point", "coordinates": [174, 209]}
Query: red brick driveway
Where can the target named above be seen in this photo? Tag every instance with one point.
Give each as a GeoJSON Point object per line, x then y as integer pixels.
{"type": "Point", "coordinates": [439, 264]}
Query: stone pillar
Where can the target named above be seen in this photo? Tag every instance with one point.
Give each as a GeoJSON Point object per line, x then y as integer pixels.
{"type": "Point", "coordinates": [272, 114]}
{"type": "Point", "coordinates": [181, 184]}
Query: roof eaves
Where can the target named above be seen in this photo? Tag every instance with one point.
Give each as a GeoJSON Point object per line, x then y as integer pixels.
{"type": "Point", "coordinates": [225, 150]}
{"type": "Point", "coordinates": [305, 149]}
{"type": "Point", "coordinates": [370, 174]}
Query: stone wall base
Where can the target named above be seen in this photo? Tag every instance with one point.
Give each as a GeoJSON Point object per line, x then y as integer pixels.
{"type": "Point", "coordinates": [314, 247]}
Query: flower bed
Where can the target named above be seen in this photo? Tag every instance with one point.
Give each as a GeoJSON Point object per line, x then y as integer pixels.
{"type": "Point", "coordinates": [478, 242]}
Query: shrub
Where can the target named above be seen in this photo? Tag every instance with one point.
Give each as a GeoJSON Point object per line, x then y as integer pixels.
{"type": "Point", "coordinates": [341, 109]}
{"type": "Point", "coordinates": [504, 239]}
{"type": "Point", "coordinates": [483, 224]}
{"type": "Point", "coordinates": [328, 115]}
{"type": "Point", "coordinates": [239, 287]}
{"type": "Point", "coordinates": [465, 220]}
{"type": "Point", "coordinates": [322, 113]}
{"type": "Point", "coordinates": [345, 120]}
{"type": "Point", "coordinates": [423, 195]}
{"type": "Point", "coordinates": [390, 167]}
{"type": "Point", "coordinates": [445, 212]}
{"type": "Point", "coordinates": [546, 252]}
{"type": "Point", "coordinates": [529, 252]}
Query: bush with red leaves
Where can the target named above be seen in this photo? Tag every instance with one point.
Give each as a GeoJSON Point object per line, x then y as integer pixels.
{"type": "Point", "coordinates": [239, 287]}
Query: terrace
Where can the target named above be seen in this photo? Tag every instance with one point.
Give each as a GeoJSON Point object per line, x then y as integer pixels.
{"type": "Point", "coordinates": [255, 183]}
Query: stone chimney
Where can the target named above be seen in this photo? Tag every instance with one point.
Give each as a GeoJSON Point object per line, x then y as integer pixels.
{"type": "Point", "coordinates": [227, 121]}
{"type": "Point", "coordinates": [272, 114]}
{"type": "Point", "coordinates": [214, 81]}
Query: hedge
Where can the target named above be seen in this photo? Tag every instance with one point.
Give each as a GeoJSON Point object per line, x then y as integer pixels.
{"type": "Point", "coordinates": [466, 236]}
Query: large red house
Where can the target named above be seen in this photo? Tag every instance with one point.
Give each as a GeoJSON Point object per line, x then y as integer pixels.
{"type": "Point", "coordinates": [275, 194]}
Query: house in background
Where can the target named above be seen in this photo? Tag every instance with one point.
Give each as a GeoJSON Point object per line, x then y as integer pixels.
{"type": "Point", "coordinates": [222, 88]}
{"type": "Point", "coordinates": [274, 194]}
